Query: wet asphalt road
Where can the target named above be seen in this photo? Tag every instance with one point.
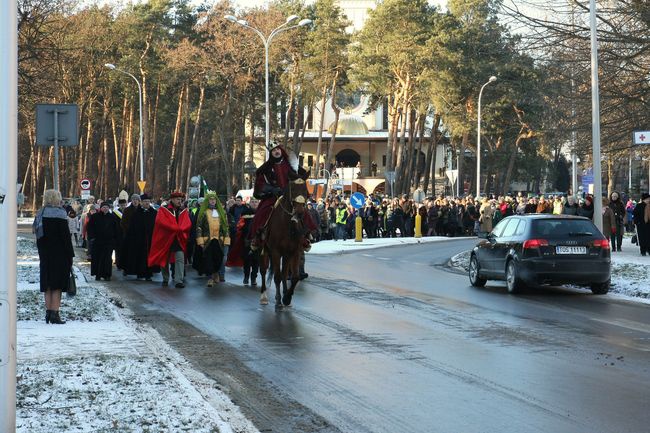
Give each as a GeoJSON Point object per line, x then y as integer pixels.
{"type": "Point", "coordinates": [387, 340]}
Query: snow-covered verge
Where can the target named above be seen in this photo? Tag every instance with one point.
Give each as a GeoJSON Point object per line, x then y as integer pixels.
{"type": "Point", "coordinates": [630, 272]}
{"type": "Point", "coordinates": [103, 372]}
{"type": "Point", "coordinates": [341, 246]}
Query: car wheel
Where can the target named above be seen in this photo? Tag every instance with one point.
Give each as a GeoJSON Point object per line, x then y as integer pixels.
{"type": "Point", "coordinates": [512, 278]}
{"type": "Point", "coordinates": [474, 274]}
{"type": "Point", "coordinates": [600, 288]}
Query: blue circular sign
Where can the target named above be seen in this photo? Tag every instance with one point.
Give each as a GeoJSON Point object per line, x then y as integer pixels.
{"type": "Point", "coordinates": [357, 200]}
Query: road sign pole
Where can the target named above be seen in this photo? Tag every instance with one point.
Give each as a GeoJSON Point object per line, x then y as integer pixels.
{"type": "Point", "coordinates": [8, 175]}
{"type": "Point", "coordinates": [56, 149]}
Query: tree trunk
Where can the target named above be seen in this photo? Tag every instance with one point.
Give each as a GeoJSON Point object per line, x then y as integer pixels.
{"type": "Point", "coordinates": [222, 140]}
{"type": "Point", "coordinates": [171, 168]}
{"type": "Point", "coordinates": [431, 150]}
{"type": "Point", "coordinates": [297, 126]}
{"type": "Point", "coordinates": [287, 113]}
{"type": "Point", "coordinates": [411, 159]}
{"type": "Point", "coordinates": [337, 113]}
{"type": "Point", "coordinates": [320, 134]}
{"type": "Point", "coordinates": [152, 172]}
{"type": "Point", "coordinates": [195, 134]}
{"type": "Point", "coordinates": [181, 171]}
{"type": "Point", "coordinates": [461, 161]}
{"type": "Point", "coordinates": [399, 165]}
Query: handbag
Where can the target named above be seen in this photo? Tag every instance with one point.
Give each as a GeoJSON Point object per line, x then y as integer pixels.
{"type": "Point", "coordinates": [72, 286]}
{"type": "Point", "coordinates": [635, 239]}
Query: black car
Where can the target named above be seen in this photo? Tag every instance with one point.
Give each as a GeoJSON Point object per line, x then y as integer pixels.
{"type": "Point", "coordinates": [540, 249]}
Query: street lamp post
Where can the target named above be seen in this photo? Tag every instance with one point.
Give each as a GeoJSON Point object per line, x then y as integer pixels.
{"type": "Point", "coordinates": [114, 68]}
{"type": "Point", "coordinates": [478, 139]}
{"type": "Point", "coordinates": [595, 121]}
{"type": "Point", "coordinates": [267, 42]}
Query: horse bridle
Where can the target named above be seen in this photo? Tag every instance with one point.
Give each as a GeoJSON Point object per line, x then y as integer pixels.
{"type": "Point", "coordinates": [299, 199]}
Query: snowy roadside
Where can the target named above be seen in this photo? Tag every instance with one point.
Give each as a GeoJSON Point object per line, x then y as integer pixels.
{"type": "Point", "coordinates": [101, 371]}
{"type": "Point", "coordinates": [339, 247]}
{"type": "Point", "coordinates": [630, 272]}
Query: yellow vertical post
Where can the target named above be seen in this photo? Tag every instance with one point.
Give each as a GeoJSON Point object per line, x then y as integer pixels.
{"type": "Point", "coordinates": [358, 229]}
{"type": "Point", "coordinates": [418, 226]}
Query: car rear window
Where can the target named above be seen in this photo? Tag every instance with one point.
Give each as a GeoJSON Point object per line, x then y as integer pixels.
{"type": "Point", "coordinates": [561, 228]}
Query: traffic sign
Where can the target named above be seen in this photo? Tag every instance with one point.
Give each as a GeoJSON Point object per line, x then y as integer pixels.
{"type": "Point", "coordinates": [142, 184]}
{"type": "Point", "coordinates": [641, 137]}
{"type": "Point", "coordinates": [317, 181]}
{"type": "Point", "coordinates": [85, 184]}
{"type": "Point", "coordinates": [85, 194]}
{"type": "Point", "coordinates": [357, 200]}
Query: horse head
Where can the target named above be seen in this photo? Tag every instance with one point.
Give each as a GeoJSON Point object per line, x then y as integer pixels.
{"type": "Point", "coordinates": [298, 192]}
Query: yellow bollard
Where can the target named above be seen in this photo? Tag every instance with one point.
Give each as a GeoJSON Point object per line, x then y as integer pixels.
{"type": "Point", "coordinates": [358, 229]}
{"type": "Point", "coordinates": [418, 226]}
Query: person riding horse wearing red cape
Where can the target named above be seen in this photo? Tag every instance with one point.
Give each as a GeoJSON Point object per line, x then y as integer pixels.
{"type": "Point", "coordinates": [271, 179]}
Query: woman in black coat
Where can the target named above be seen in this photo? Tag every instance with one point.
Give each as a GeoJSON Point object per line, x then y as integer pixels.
{"type": "Point", "coordinates": [642, 221]}
{"type": "Point", "coordinates": [104, 231]}
{"type": "Point", "coordinates": [55, 253]}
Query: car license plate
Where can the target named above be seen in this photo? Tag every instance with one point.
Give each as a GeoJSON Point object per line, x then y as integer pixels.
{"type": "Point", "coordinates": [570, 250]}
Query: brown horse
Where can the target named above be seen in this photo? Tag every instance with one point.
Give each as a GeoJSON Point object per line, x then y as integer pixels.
{"type": "Point", "coordinates": [285, 236]}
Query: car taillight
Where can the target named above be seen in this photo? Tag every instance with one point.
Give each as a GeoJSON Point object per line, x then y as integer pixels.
{"type": "Point", "coordinates": [535, 243]}
{"type": "Point", "coordinates": [601, 243]}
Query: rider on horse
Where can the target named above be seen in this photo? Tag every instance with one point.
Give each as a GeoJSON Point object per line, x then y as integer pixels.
{"type": "Point", "coordinates": [271, 179]}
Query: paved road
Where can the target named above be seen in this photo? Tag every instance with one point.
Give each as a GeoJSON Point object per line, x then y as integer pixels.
{"type": "Point", "coordinates": [387, 340]}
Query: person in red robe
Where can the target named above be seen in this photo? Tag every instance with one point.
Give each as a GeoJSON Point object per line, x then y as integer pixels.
{"type": "Point", "coordinates": [169, 243]}
{"type": "Point", "coordinates": [271, 179]}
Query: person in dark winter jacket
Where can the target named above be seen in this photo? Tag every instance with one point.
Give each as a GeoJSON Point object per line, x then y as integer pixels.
{"type": "Point", "coordinates": [104, 231]}
{"type": "Point", "coordinates": [642, 221]}
{"type": "Point", "coordinates": [571, 207]}
{"type": "Point", "coordinates": [586, 208]}
{"type": "Point", "coordinates": [620, 218]}
{"type": "Point", "coordinates": [55, 253]}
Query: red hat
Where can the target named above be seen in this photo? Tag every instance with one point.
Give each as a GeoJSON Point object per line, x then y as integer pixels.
{"type": "Point", "coordinates": [177, 194]}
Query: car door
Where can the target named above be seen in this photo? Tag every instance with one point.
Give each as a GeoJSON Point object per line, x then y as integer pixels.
{"type": "Point", "coordinates": [489, 248]}
{"type": "Point", "coordinates": [503, 245]}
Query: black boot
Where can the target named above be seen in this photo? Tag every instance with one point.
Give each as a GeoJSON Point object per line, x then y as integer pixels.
{"type": "Point", "coordinates": [48, 315]}
{"type": "Point", "coordinates": [55, 318]}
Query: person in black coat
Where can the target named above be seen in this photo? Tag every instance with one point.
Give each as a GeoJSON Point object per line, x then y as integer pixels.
{"type": "Point", "coordinates": [55, 253]}
{"type": "Point", "coordinates": [137, 241]}
{"type": "Point", "coordinates": [642, 221]}
{"type": "Point", "coordinates": [104, 231]}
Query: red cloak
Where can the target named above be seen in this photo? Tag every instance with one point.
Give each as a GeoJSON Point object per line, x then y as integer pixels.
{"type": "Point", "coordinates": [237, 246]}
{"type": "Point", "coordinates": [166, 229]}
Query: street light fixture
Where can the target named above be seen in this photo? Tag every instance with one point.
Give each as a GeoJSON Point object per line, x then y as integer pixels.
{"type": "Point", "coordinates": [114, 68]}
{"type": "Point", "coordinates": [266, 40]}
{"type": "Point", "coordinates": [478, 139]}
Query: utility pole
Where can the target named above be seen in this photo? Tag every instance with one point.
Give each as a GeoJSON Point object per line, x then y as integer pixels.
{"type": "Point", "coordinates": [8, 200]}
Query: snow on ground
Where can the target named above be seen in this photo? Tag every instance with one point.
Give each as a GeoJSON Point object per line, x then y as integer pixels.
{"type": "Point", "coordinates": [103, 372]}
{"type": "Point", "coordinates": [338, 247]}
{"type": "Point", "coordinates": [630, 272]}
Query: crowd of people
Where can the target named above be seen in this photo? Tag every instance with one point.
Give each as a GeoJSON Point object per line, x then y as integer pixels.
{"type": "Point", "coordinates": [141, 237]}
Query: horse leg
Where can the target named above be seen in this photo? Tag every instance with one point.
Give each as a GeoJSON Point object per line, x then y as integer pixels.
{"type": "Point", "coordinates": [293, 265]}
{"type": "Point", "coordinates": [276, 262]}
{"type": "Point", "coordinates": [263, 266]}
{"type": "Point", "coordinates": [286, 267]}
